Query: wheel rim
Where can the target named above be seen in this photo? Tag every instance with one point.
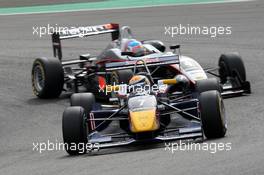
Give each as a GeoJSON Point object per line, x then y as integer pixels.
{"type": "Point", "coordinates": [38, 78]}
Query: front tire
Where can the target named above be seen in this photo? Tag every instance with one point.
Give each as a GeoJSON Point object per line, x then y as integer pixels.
{"type": "Point", "coordinates": [208, 85]}
{"type": "Point", "coordinates": [213, 114]}
{"type": "Point", "coordinates": [87, 102]}
{"type": "Point", "coordinates": [74, 129]}
{"type": "Point", "coordinates": [47, 78]}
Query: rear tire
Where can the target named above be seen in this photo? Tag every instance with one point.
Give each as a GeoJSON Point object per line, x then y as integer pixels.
{"type": "Point", "coordinates": [157, 44]}
{"type": "Point", "coordinates": [84, 100]}
{"type": "Point", "coordinates": [47, 78]}
{"type": "Point", "coordinates": [121, 77]}
{"type": "Point", "coordinates": [74, 129]}
{"type": "Point", "coordinates": [231, 65]}
{"type": "Point", "coordinates": [212, 114]}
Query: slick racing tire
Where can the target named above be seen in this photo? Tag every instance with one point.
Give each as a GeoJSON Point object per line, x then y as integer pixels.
{"type": "Point", "coordinates": [117, 78]}
{"type": "Point", "coordinates": [213, 114]}
{"type": "Point", "coordinates": [157, 44]}
{"type": "Point", "coordinates": [208, 84]}
{"type": "Point", "coordinates": [74, 129]}
{"type": "Point", "coordinates": [121, 77]}
{"type": "Point", "coordinates": [47, 78]}
{"type": "Point", "coordinates": [87, 102]}
{"type": "Point", "coordinates": [231, 65]}
{"type": "Point", "coordinates": [84, 100]}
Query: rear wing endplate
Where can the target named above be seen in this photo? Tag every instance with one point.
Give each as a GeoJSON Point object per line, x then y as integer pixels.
{"type": "Point", "coordinates": [80, 33]}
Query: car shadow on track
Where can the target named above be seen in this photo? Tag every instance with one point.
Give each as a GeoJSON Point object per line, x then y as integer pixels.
{"type": "Point", "coordinates": [38, 101]}
{"type": "Point", "coordinates": [130, 148]}
{"type": "Point", "coordinates": [110, 151]}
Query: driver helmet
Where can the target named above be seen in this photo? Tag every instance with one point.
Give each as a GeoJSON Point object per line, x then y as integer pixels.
{"type": "Point", "coordinates": [135, 47]}
{"type": "Point", "coordinates": [139, 84]}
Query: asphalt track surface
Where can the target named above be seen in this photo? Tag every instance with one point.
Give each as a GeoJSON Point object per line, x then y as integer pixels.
{"type": "Point", "coordinates": [26, 119]}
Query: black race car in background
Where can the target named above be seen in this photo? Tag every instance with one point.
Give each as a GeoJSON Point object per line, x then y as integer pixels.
{"type": "Point", "coordinates": [51, 76]}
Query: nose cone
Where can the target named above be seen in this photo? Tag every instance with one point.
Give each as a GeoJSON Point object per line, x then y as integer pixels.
{"type": "Point", "coordinates": [143, 121]}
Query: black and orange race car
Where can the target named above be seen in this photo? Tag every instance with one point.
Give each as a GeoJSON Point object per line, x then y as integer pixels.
{"type": "Point", "coordinates": [51, 76]}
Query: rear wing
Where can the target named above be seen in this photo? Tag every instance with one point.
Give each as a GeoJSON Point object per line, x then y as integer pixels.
{"type": "Point", "coordinates": [157, 61]}
{"type": "Point", "coordinates": [80, 33]}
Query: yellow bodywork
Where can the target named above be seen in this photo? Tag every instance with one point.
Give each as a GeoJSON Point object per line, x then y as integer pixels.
{"type": "Point", "coordinates": [169, 81]}
{"type": "Point", "coordinates": [143, 121]}
{"type": "Point", "coordinates": [110, 88]}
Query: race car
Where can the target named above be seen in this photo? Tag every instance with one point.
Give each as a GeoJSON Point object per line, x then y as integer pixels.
{"type": "Point", "coordinates": [51, 76]}
{"type": "Point", "coordinates": [148, 109]}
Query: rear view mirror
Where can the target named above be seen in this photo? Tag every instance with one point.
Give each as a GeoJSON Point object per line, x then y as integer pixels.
{"type": "Point", "coordinates": [175, 46]}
